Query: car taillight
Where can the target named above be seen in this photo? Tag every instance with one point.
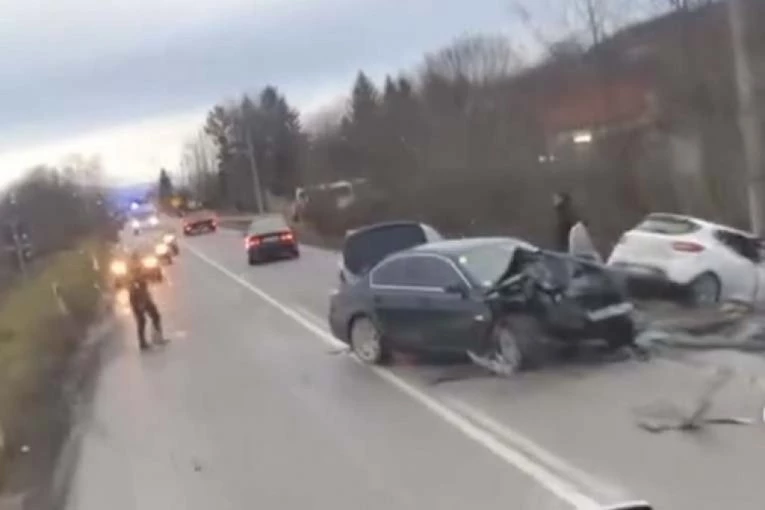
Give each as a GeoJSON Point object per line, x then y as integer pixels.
{"type": "Point", "coordinates": [687, 247]}
{"type": "Point", "coordinates": [287, 236]}
{"type": "Point", "coordinates": [252, 241]}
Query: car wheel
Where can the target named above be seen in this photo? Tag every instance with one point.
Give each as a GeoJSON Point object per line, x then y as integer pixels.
{"type": "Point", "coordinates": [296, 253]}
{"type": "Point", "coordinates": [620, 333]}
{"type": "Point", "coordinates": [519, 340]}
{"type": "Point", "coordinates": [252, 259]}
{"type": "Point", "coordinates": [367, 343]}
{"type": "Point", "coordinates": [705, 290]}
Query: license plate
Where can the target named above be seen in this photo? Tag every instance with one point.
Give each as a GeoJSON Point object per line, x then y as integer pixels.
{"type": "Point", "coordinates": [610, 311]}
{"type": "Point", "coordinates": [271, 239]}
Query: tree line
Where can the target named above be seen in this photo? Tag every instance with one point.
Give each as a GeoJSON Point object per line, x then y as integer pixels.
{"type": "Point", "coordinates": [57, 207]}
{"type": "Point", "coordinates": [464, 141]}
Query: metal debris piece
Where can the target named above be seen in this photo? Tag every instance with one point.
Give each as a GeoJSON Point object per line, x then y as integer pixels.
{"type": "Point", "coordinates": [495, 364]}
{"type": "Point", "coordinates": [667, 416]}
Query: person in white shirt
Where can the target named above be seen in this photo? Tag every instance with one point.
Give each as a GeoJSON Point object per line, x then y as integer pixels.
{"type": "Point", "coordinates": [580, 243]}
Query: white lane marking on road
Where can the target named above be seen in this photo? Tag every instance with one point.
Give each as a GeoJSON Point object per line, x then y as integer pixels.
{"type": "Point", "coordinates": [523, 444]}
{"type": "Point", "coordinates": [311, 316]}
{"type": "Point", "coordinates": [563, 489]}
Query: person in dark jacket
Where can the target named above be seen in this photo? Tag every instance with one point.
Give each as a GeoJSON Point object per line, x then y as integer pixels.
{"type": "Point", "coordinates": [565, 219]}
{"type": "Point", "coordinates": [141, 301]}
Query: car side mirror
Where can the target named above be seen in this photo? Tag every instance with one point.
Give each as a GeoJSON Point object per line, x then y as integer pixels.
{"type": "Point", "coordinates": [457, 289]}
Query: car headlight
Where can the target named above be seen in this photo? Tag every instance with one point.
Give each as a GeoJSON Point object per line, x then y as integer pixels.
{"type": "Point", "coordinates": [153, 220]}
{"type": "Point", "coordinates": [135, 223]}
{"type": "Point", "coordinates": [161, 249]}
{"type": "Point", "coordinates": [119, 268]}
{"type": "Point", "coordinates": [150, 262]}
{"type": "Point", "coordinates": [168, 238]}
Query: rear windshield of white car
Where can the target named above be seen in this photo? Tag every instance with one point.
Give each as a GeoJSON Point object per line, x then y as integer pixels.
{"type": "Point", "coordinates": [670, 225]}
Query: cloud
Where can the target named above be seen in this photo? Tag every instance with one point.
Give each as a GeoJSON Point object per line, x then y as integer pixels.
{"type": "Point", "coordinates": [76, 66]}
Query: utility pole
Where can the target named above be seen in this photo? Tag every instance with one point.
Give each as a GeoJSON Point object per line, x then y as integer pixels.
{"type": "Point", "coordinates": [257, 189]}
{"type": "Point", "coordinates": [749, 123]}
{"type": "Point", "coordinates": [17, 243]}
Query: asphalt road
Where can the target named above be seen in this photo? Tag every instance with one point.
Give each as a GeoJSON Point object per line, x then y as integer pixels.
{"type": "Point", "coordinates": [251, 406]}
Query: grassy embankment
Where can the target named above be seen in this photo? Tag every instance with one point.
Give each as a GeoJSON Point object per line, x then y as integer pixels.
{"type": "Point", "coordinates": [38, 335]}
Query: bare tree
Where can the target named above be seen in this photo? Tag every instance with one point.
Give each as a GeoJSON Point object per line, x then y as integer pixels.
{"type": "Point", "coordinates": [478, 59]}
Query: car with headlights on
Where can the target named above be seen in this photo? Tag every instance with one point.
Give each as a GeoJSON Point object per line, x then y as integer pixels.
{"type": "Point", "coordinates": [270, 237]}
{"type": "Point", "coordinates": [146, 220]}
{"type": "Point", "coordinates": [163, 252]}
{"type": "Point", "coordinates": [171, 241]}
{"type": "Point", "coordinates": [119, 268]}
{"type": "Point", "coordinates": [489, 296]}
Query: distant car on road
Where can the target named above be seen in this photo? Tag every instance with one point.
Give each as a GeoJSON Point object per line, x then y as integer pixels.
{"type": "Point", "coordinates": [365, 247]}
{"type": "Point", "coordinates": [172, 242]}
{"type": "Point", "coordinates": [269, 237]}
{"type": "Point", "coordinates": [163, 252]}
{"type": "Point", "coordinates": [199, 222]}
{"type": "Point", "coordinates": [145, 220]}
{"type": "Point", "coordinates": [497, 295]}
{"type": "Point", "coordinates": [688, 258]}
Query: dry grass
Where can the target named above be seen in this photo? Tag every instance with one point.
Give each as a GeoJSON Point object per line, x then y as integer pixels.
{"type": "Point", "coordinates": [37, 335]}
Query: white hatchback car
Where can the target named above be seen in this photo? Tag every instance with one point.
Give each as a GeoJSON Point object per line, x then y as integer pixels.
{"type": "Point", "coordinates": [706, 262]}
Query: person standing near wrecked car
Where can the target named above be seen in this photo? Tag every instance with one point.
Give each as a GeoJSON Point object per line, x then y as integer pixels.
{"type": "Point", "coordinates": [565, 219]}
{"type": "Point", "coordinates": [573, 236]}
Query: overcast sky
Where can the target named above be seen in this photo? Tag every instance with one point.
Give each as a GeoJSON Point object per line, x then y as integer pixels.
{"type": "Point", "coordinates": [130, 79]}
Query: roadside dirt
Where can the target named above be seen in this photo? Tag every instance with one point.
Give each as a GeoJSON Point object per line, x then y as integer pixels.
{"type": "Point", "coordinates": [35, 472]}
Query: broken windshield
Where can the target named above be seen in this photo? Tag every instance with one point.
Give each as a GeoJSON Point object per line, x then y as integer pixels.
{"type": "Point", "coordinates": [488, 263]}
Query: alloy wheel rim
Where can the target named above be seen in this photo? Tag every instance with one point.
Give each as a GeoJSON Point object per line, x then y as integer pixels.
{"type": "Point", "coordinates": [366, 341]}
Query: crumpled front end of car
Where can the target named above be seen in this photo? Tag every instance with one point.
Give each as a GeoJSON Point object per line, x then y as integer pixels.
{"type": "Point", "coordinates": [571, 298]}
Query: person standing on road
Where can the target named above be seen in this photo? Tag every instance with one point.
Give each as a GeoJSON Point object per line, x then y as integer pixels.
{"type": "Point", "coordinates": [565, 219]}
{"type": "Point", "coordinates": [580, 243]}
{"type": "Point", "coordinates": [141, 302]}
{"type": "Point", "coordinates": [572, 234]}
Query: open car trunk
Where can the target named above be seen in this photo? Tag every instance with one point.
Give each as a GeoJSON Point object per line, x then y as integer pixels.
{"type": "Point", "coordinates": [365, 248]}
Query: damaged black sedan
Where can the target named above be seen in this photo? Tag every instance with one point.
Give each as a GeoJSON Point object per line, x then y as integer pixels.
{"type": "Point", "coordinates": [496, 297]}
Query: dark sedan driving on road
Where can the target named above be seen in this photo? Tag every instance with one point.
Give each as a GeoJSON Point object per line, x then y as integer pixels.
{"type": "Point", "coordinates": [480, 295]}
{"type": "Point", "coordinates": [270, 237]}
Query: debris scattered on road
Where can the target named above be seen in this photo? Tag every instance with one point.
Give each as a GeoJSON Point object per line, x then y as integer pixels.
{"type": "Point", "coordinates": [494, 363]}
{"type": "Point", "coordinates": [664, 416]}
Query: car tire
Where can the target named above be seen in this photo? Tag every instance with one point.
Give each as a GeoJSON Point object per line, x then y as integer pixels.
{"type": "Point", "coordinates": [296, 254]}
{"type": "Point", "coordinates": [705, 289]}
{"type": "Point", "coordinates": [367, 342]}
{"type": "Point", "coordinates": [520, 341]}
{"type": "Point", "coordinates": [620, 333]}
